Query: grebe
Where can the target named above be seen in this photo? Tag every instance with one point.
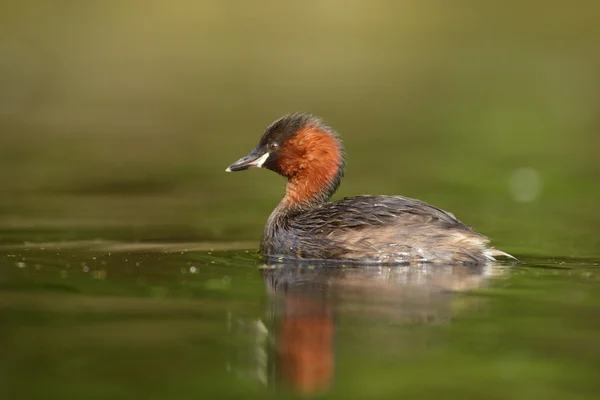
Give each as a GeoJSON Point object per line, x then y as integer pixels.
{"type": "Point", "coordinates": [365, 229]}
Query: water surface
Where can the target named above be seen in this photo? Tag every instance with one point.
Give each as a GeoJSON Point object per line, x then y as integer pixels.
{"type": "Point", "coordinates": [99, 320]}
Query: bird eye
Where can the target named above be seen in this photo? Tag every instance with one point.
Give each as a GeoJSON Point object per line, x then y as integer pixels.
{"type": "Point", "coordinates": [273, 146]}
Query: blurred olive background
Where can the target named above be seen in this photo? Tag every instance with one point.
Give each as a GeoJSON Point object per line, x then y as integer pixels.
{"type": "Point", "coordinates": [118, 118]}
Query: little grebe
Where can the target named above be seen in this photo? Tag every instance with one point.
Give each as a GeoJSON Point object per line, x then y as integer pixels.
{"type": "Point", "coordinates": [365, 229]}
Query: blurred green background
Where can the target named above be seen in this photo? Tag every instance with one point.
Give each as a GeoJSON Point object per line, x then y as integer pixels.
{"type": "Point", "coordinates": [118, 118]}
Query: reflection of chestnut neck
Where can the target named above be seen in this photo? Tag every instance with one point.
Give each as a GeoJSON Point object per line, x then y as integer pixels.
{"type": "Point", "coordinates": [307, 297]}
{"type": "Point", "coordinates": [305, 342]}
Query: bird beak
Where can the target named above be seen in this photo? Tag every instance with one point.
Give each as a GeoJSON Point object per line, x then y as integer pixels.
{"type": "Point", "coordinates": [255, 159]}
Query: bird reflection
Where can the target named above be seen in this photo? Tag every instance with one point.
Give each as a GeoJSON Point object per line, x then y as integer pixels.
{"type": "Point", "coordinates": [306, 300]}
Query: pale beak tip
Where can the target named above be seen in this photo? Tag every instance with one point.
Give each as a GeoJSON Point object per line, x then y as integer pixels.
{"type": "Point", "coordinates": [228, 169]}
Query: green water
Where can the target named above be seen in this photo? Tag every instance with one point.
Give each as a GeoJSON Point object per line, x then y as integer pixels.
{"type": "Point", "coordinates": [98, 321]}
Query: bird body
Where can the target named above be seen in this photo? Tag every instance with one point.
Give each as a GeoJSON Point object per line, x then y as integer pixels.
{"type": "Point", "coordinates": [365, 229]}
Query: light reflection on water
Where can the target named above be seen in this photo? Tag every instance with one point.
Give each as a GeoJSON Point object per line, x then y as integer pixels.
{"type": "Point", "coordinates": [296, 346]}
